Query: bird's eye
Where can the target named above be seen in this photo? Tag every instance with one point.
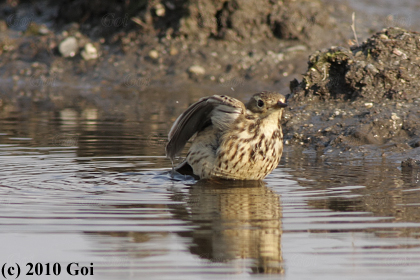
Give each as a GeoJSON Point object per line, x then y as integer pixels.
{"type": "Point", "coordinates": [260, 103]}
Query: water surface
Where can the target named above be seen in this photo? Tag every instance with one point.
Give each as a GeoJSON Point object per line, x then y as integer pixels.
{"type": "Point", "coordinates": [78, 187]}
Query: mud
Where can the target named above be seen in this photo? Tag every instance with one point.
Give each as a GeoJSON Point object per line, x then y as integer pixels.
{"type": "Point", "coordinates": [358, 100]}
{"type": "Point", "coordinates": [240, 21]}
{"type": "Point", "coordinates": [356, 129]}
{"type": "Point", "coordinates": [233, 41]}
{"type": "Point", "coordinates": [385, 66]}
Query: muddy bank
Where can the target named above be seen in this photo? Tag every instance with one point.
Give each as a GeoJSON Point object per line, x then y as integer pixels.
{"type": "Point", "coordinates": [360, 101]}
{"type": "Point", "coordinates": [240, 21]}
{"type": "Point", "coordinates": [385, 66]}
{"type": "Point", "coordinates": [135, 44]}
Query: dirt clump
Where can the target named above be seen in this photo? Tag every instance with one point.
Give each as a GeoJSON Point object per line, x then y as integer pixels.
{"type": "Point", "coordinates": [377, 82]}
{"type": "Point", "coordinates": [385, 66]}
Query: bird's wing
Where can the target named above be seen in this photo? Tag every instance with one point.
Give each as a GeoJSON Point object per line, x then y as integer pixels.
{"type": "Point", "coordinates": [220, 111]}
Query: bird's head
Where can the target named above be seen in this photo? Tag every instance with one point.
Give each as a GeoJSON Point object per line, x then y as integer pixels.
{"type": "Point", "coordinates": [265, 103]}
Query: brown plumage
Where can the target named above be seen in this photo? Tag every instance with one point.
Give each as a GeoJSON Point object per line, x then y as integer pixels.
{"type": "Point", "coordinates": [233, 141]}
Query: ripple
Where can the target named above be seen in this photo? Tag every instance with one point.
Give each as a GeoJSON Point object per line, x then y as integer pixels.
{"type": "Point", "coordinates": [115, 198]}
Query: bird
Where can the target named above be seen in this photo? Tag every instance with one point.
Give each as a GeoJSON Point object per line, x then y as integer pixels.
{"type": "Point", "coordinates": [232, 140]}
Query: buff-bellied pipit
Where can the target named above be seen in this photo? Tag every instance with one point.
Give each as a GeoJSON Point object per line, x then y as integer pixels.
{"type": "Point", "coordinates": [233, 141]}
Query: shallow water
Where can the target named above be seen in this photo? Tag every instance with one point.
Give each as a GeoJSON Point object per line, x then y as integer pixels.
{"type": "Point", "coordinates": [75, 187]}
{"type": "Point", "coordinates": [378, 14]}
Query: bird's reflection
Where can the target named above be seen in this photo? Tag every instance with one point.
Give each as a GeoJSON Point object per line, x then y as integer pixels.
{"type": "Point", "coordinates": [235, 220]}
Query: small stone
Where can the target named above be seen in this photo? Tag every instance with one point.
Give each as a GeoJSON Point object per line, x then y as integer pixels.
{"type": "Point", "coordinates": [89, 52]}
{"type": "Point", "coordinates": [372, 68]}
{"type": "Point", "coordinates": [197, 70]}
{"type": "Point", "coordinates": [154, 54]}
{"type": "Point", "coordinates": [43, 30]}
{"type": "Point", "coordinates": [68, 47]}
{"type": "Point", "coordinates": [297, 48]}
{"type": "Point", "coordinates": [173, 51]}
{"type": "Point", "coordinates": [280, 57]}
{"type": "Point", "coordinates": [37, 29]}
{"type": "Point", "coordinates": [383, 37]}
{"type": "Point", "coordinates": [394, 117]}
{"type": "Point", "coordinates": [397, 52]}
{"type": "Point", "coordinates": [160, 10]}
{"type": "Point", "coordinates": [368, 104]}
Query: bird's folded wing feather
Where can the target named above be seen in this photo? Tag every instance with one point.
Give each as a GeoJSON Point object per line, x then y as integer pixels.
{"type": "Point", "coordinates": [221, 111]}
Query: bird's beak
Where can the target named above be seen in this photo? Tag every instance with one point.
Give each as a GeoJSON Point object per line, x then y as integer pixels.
{"type": "Point", "coordinates": [281, 104]}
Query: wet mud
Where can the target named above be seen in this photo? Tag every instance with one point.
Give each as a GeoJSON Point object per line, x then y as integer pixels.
{"type": "Point", "coordinates": [361, 99]}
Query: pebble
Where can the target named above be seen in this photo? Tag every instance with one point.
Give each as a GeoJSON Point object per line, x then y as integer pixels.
{"type": "Point", "coordinates": [372, 68]}
{"type": "Point", "coordinates": [154, 54]}
{"type": "Point", "coordinates": [394, 116]}
{"type": "Point", "coordinates": [173, 51]}
{"type": "Point", "coordinates": [197, 70]}
{"type": "Point", "coordinates": [296, 48]}
{"type": "Point", "coordinates": [368, 104]}
{"type": "Point", "coordinates": [383, 37]}
{"type": "Point", "coordinates": [37, 29]}
{"type": "Point", "coordinates": [160, 10]}
{"type": "Point", "coordinates": [68, 47]}
{"type": "Point", "coordinates": [89, 52]}
{"type": "Point", "coordinates": [399, 53]}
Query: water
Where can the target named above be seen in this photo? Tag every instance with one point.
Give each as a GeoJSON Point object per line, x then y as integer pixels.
{"type": "Point", "coordinates": [78, 187]}
{"type": "Point", "coordinates": [404, 13]}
